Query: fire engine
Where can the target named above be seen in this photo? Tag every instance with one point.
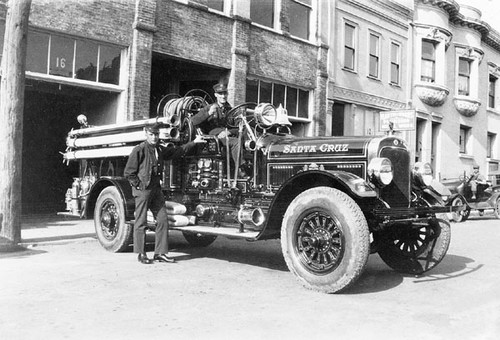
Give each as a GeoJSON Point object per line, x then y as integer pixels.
{"type": "Point", "coordinates": [331, 200]}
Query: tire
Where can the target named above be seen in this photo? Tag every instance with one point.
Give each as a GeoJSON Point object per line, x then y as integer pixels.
{"type": "Point", "coordinates": [325, 239]}
{"type": "Point", "coordinates": [113, 233]}
{"type": "Point", "coordinates": [496, 209]}
{"type": "Point", "coordinates": [459, 216]}
{"type": "Point", "coordinates": [199, 240]}
{"type": "Point", "coordinates": [415, 249]}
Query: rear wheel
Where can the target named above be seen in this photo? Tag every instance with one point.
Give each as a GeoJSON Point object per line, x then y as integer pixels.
{"type": "Point", "coordinates": [113, 233]}
{"type": "Point", "coordinates": [325, 239]}
{"type": "Point", "coordinates": [415, 248]}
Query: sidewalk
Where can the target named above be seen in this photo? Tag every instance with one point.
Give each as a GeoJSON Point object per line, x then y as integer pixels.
{"type": "Point", "coordinates": [44, 229]}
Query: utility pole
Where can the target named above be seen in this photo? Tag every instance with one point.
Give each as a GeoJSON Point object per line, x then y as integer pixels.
{"type": "Point", "coordinates": [11, 120]}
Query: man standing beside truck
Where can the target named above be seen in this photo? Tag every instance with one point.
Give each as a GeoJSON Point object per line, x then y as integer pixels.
{"type": "Point", "coordinates": [144, 172]}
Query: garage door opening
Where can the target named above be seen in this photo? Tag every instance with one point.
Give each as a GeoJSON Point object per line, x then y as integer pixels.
{"type": "Point", "coordinates": [50, 112]}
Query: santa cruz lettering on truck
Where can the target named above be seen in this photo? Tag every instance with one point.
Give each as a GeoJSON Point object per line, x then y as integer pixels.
{"type": "Point", "coordinates": [331, 200]}
{"type": "Point", "coordinates": [316, 148]}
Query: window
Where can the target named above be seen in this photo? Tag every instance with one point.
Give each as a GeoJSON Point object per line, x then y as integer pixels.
{"type": "Point", "coordinates": [492, 91]}
{"type": "Point", "coordinates": [216, 4]}
{"type": "Point", "coordinates": [464, 139]}
{"type": "Point", "coordinates": [300, 18]}
{"type": "Point", "coordinates": [374, 55]}
{"type": "Point", "coordinates": [73, 58]}
{"type": "Point", "coordinates": [294, 100]}
{"type": "Point", "coordinates": [349, 46]}
{"type": "Point", "coordinates": [490, 145]}
{"type": "Point", "coordinates": [395, 62]}
{"type": "Point", "coordinates": [262, 12]}
{"type": "Point", "coordinates": [463, 76]}
{"type": "Point", "coordinates": [428, 72]}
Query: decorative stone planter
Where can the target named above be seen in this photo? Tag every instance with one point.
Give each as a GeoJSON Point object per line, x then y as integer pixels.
{"type": "Point", "coordinates": [431, 94]}
{"type": "Point", "coordinates": [466, 106]}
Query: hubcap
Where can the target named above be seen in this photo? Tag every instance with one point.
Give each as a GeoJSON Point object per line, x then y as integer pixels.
{"type": "Point", "coordinates": [319, 242]}
{"type": "Point", "coordinates": [109, 220]}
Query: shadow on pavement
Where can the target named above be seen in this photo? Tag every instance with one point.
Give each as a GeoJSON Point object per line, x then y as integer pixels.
{"type": "Point", "coordinates": [21, 252]}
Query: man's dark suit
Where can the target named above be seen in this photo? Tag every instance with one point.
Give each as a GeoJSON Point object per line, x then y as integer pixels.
{"type": "Point", "coordinates": [143, 170]}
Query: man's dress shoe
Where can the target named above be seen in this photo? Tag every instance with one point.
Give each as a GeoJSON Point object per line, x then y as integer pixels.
{"type": "Point", "coordinates": [143, 258]}
{"type": "Point", "coordinates": [163, 258]}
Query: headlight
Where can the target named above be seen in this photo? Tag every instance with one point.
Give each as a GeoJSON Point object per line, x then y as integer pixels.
{"type": "Point", "coordinates": [380, 171]}
{"type": "Point", "coordinates": [265, 114]}
{"type": "Point", "coordinates": [423, 173]}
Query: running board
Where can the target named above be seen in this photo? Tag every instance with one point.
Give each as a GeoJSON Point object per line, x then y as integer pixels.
{"type": "Point", "coordinates": [220, 231]}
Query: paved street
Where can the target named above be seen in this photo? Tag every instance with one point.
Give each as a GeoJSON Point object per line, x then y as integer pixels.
{"type": "Point", "coordinates": [68, 287]}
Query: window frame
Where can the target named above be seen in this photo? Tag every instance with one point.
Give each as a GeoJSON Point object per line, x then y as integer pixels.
{"type": "Point", "coordinates": [433, 61]}
{"type": "Point", "coordinates": [461, 75]}
{"type": "Point", "coordinates": [376, 57]}
{"type": "Point", "coordinates": [354, 48]}
{"type": "Point", "coordinates": [299, 91]}
{"type": "Point", "coordinates": [310, 9]}
{"type": "Point", "coordinates": [395, 62]}
{"type": "Point", "coordinates": [276, 6]}
{"type": "Point", "coordinates": [465, 133]}
{"type": "Point", "coordinates": [97, 83]}
{"type": "Point", "coordinates": [492, 91]}
{"type": "Point", "coordinates": [490, 145]}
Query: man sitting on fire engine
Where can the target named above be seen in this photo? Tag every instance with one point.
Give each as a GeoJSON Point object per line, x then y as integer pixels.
{"type": "Point", "coordinates": [212, 120]}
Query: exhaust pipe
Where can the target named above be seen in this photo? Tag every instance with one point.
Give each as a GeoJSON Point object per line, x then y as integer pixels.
{"type": "Point", "coordinates": [251, 215]}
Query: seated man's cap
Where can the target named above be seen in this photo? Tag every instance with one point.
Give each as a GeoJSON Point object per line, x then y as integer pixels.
{"type": "Point", "coordinates": [475, 167]}
{"type": "Point", "coordinates": [220, 88]}
{"type": "Point", "coordinates": [153, 128]}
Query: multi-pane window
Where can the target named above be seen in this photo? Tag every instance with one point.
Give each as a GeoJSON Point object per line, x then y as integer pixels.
{"type": "Point", "coordinates": [300, 18]}
{"type": "Point", "coordinates": [492, 91]}
{"type": "Point", "coordinates": [294, 100]}
{"type": "Point", "coordinates": [349, 46]}
{"type": "Point", "coordinates": [428, 63]}
{"type": "Point", "coordinates": [490, 144]}
{"type": "Point", "coordinates": [395, 63]}
{"type": "Point", "coordinates": [374, 55]}
{"type": "Point", "coordinates": [262, 12]}
{"type": "Point", "coordinates": [463, 76]}
{"type": "Point", "coordinates": [73, 58]}
{"type": "Point", "coordinates": [463, 138]}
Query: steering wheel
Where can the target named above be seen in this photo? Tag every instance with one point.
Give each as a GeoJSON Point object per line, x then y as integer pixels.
{"type": "Point", "coordinates": [234, 115]}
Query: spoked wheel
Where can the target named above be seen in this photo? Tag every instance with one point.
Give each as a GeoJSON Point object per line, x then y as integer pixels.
{"type": "Point", "coordinates": [109, 219]}
{"type": "Point", "coordinates": [459, 216]}
{"type": "Point", "coordinates": [325, 239]}
{"type": "Point", "coordinates": [415, 248]}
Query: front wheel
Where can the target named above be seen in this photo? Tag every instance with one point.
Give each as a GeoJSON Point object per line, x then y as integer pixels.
{"type": "Point", "coordinates": [325, 239]}
{"type": "Point", "coordinates": [414, 248]}
{"type": "Point", "coordinates": [113, 233]}
{"type": "Point", "coordinates": [497, 208]}
{"type": "Point", "coordinates": [459, 216]}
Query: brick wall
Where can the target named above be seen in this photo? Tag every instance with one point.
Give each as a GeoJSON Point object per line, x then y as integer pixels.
{"type": "Point", "coordinates": [107, 20]}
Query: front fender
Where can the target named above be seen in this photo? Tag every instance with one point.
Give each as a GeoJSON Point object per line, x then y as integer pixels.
{"type": "Point", "coordinates": [433, 197]}
{"type": "Point", "coordinates": [351, 184]}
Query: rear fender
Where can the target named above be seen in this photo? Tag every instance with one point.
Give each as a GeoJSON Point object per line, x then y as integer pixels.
{"type": "Point", "coordinates": [123, 187]}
